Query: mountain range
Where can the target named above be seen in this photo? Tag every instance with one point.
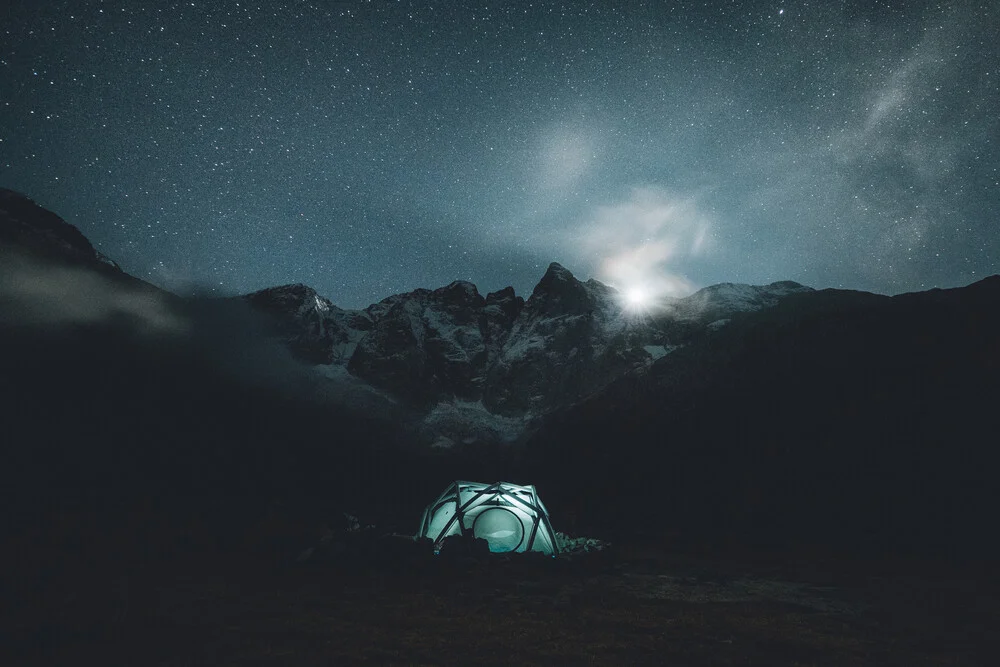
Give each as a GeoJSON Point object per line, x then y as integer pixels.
{"type": "Point", "coordinates": [775, 413]}
{"type": "Point", "coordinates": [468, 369]}
{"type": "Point", "coordinates": [487, 368]}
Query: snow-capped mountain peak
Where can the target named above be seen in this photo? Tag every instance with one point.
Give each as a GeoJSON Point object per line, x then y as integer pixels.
{"type": "Point", "coordinates": [726, 299]}
{"type": "Point", "coordinates": [516, 358]}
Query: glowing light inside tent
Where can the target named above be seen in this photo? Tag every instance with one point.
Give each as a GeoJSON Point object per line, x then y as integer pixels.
{"type": "Point", "coordinates": [501, 528]}
{"type": "Point", "coordinates": [510, 517]}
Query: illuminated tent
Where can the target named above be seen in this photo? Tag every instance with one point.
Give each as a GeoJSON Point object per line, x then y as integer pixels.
{"type": "Point", "coordinates": [509, 517]}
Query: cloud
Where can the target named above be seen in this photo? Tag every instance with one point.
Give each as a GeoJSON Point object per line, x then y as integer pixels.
{"type": "Point", "coordinates": [37, 293]}
{"type": "Point", "coordinates": [889, 101]}
{"type": "Point", "coordinates": [643, 242]}
{"type": "Point", "coordinates": [204, 336]}
{"type": "Point", "coordinates": [912, 115]}
{"type": "Point", "coordinates": [565, 155]}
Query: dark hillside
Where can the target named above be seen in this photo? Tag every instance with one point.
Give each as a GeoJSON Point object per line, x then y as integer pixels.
{"type": "Point", "coordinates": [837, 418]}
{"type": "Point", "coordinates": [177, 482]}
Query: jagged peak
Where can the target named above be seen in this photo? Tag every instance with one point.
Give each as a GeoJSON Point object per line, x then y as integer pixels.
{"type": "Point", "coordinates": [557, 278]}
{"type": "Point", "coordinates": [299, 295]}
{"type": "Point", "coordinates": [291, 289]}
{"type": "Point", "coordinates": [462, 286]}
{"type": "Point", "coordinates": [787, 286]}
{"type": "Point", "coordinates": [27, 223]}
{"type": "Point", "coordinates": [595, 285]}
{"type": "Point", "coordinates": [459, 294]}
{"type": "Point", "coordinates": [505, 294]}
{"type": "Point", "coordinates": [721, 288]}
{"type": "Point", "coordinates": [557, 271]}
{"type": "Point", "coordinates": [779, 287]}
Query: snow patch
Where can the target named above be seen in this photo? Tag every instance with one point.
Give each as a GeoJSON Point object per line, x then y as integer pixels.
{"type": "Point", "coordinates": [658, 351]}
{"type": "Point", "coordinates": [347, 389]}
{"type": "Point", "coordinates": [522, 347]}
{"type": "Point", "coordinates": [469, 422]}
{"type": "Point", "coordinates": [461, 338]}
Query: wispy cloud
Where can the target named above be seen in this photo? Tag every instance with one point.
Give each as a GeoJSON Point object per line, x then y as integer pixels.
{"type": "Point", "coordinates": [565, 154]}
{"type": "Point", "coordinates": [39, 294]}
{"type": "Point", "coordinates": [906, 109]}
{"type": "Point", "coordinates": [642, 242]}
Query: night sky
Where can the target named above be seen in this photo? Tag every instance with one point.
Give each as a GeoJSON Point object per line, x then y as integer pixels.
{"type": "Point", "coordinates": [370, 148]}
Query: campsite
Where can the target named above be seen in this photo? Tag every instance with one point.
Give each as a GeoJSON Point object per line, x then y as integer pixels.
{"type": "Point", "coordinates": [762, 475]}
{"type": "Point", "coordinates": [170, 510]}
{"type": "Point", "coordinates": [499, 332]}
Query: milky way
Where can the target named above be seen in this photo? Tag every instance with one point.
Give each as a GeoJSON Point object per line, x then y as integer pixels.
{"type": "Point", "coordinates": [368, 148]}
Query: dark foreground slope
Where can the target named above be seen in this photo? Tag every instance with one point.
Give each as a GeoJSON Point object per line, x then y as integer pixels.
{"type": "Point", "coordinates": [137, 423]}
{"type": "Point", "coordinates": [121, 399]}
{"type": "Point", "coordinates": [111, 417]}
{"type": "Point", "coordinates": [838, 418]}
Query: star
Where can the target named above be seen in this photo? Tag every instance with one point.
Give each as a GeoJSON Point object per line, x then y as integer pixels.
{"type": "Point", "coordinates": [350, 148]}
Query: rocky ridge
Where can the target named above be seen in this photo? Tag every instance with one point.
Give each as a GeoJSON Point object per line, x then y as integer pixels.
{"type": "Point", "coordinates": [26, 225]}
{"type": "Point", "coordinates": [477, 368]}
{"type": "Point", "coordinates": [474, 364]}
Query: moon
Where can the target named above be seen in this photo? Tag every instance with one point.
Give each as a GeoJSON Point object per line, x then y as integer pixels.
{"type": "Point", "coordinates": [637, 299]}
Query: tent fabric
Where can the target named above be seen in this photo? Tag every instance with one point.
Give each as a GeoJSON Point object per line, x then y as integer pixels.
{"type": "Point", "coordinates": [510, 517]}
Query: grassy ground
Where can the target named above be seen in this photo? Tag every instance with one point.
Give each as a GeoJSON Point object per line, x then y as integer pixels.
{"type": "Point", "coordinates": [645, 607]}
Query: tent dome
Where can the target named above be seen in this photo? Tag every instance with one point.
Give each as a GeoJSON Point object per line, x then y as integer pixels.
{"type": "Point", "coordinates": [510, 517]}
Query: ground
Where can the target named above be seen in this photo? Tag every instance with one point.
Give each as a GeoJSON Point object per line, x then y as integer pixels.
{"type": "Point", "coordinates": [630, 606]}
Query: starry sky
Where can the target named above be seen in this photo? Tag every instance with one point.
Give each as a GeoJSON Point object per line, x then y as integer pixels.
{"type": "Point", "coordinates": [370, 148]}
